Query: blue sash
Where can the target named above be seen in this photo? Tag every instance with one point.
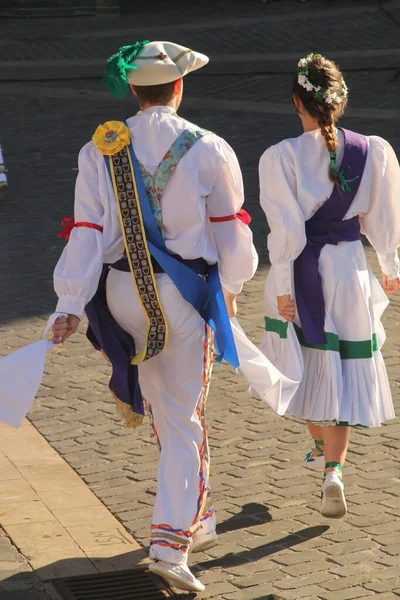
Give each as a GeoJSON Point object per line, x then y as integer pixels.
{"type": "Point", "coordinates": [205, 296]}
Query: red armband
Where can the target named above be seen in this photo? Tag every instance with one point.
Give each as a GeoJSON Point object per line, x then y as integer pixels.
{"type": "Point", "coordinates": [69, 224]}
{"type": "Point", "coordinates": [242, 215]}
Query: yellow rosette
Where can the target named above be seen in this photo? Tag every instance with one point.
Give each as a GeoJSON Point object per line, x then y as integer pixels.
{"type": "Point", "coordinates": [111, 137]}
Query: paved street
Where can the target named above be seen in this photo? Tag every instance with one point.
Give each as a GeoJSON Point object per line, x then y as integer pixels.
{"type": "Point", "coordinates": [273, 539]}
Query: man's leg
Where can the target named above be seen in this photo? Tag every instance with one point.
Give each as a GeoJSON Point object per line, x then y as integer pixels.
{"type": "Point", "coordinates": [175, 384]}
{"type": "Point", "coordinates": [181, 376]}
{"type": "Point", "coordinates": [205, 536]}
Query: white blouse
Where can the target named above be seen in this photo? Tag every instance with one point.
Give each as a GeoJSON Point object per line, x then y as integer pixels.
{"type": "Point", "coordinates": [294, 183]}
{"type": "Point", "coordinates": [207, 183]}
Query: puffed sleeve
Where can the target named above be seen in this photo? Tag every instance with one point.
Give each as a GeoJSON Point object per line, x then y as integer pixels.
{"type": "Point", "coordinates": [78, 271]}
{"type": "Point", "coordinates": [238, 259]}
{"type": "Point", "coordinates": [285, 218]}
{"type": "Point", "coordinates": [381, 224]}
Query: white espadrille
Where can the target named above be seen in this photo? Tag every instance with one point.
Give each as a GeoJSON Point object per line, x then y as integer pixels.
{"type": "Point", "coordinates": [206, 536]}
{"type": "Point", "coordinates": [333, 501]}
{"type": "Point", "coordinates": [178, 576]}
{"type": "Point", "coordinates": [204, 541]}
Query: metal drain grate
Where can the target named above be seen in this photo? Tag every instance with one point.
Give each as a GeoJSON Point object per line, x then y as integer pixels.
{"type": "Point", "coordinates": [136, 584]}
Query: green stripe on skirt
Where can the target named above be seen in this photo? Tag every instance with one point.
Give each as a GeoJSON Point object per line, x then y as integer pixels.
{"type": "Point", "coordinates": [346, 348]}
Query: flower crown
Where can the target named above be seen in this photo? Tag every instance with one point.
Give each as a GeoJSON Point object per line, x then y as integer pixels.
{"type": "Point", "coordinates": [321, 94]}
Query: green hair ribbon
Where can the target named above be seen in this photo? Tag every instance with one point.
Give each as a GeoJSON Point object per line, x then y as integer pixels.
{"type": "Point", "coordinates": [118, 65]}
{"type": "Point", "coordinates": [344, 183]}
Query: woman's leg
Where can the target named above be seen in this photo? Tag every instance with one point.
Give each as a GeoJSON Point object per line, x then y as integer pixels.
{"type": "Point", "coordinates": [336, 441]}
{"type": "Point", "coordinates": [333, 503]}
{"type": "Point", "coordinates": [316, 432]}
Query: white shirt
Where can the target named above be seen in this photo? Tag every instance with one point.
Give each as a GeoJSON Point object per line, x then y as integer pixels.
{"type": "Point", "coordinates": [294, 183]}
{"type": "Point", "coordinates": [207, 183]}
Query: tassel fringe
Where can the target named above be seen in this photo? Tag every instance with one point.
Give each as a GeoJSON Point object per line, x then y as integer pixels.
{"type": "Point", "coordinates": [131, 419]}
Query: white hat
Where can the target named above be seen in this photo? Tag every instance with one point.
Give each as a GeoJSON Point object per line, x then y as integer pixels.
{"type": "Point", "coordinates": [162, 62]}
{"type": "Point", "coordinates": [150, 63]}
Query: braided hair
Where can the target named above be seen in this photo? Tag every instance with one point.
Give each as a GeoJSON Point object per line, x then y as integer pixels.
{"type": "Point", "coordinates": [326, 76]}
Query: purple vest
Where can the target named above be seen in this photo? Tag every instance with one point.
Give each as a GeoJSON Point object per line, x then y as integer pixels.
{"type": "Point", "coordinates": [326, 226]}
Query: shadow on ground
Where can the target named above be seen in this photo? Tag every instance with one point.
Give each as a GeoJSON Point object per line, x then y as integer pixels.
{"type": "Point", "coordinates": [74, 577]}
{"type": "Point", "coordinates": [241, 558]}
{"type": "Point", "coordinates": [251, 514]}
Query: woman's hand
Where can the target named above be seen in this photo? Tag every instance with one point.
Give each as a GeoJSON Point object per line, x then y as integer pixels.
{"type": "Point", "coordinates": [230, 301]}
{"type": "Point", "coordinates": [286, 307]}
{"type": "Point", "coordinates": [390, 286]}
{"type": "Point", "coordinates": [64, 327]}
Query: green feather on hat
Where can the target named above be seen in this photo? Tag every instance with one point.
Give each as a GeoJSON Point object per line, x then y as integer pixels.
{"type": "Point", "coordinates": [118, 65]}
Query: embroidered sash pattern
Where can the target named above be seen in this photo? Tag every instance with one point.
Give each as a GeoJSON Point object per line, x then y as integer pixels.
{"type": "Point", "coordinates": [112, 140]}
{"type": "Point", "coordinates": [138, 253]}
{"type": "Point", "coordinates": [155, 184]}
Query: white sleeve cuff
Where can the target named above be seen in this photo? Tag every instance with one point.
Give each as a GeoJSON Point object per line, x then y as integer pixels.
{"type": "Point", "coordinates": [282, 274]}
{"type": "Point", "coordinates": [72, 305]}
{"type": "Point", "coordinates": [232, 288]}
{"type": "Point", "coordinates": [390, 264]}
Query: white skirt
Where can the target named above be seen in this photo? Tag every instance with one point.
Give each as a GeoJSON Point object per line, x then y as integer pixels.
{"type": "Point", "coordinates": [344, 381]}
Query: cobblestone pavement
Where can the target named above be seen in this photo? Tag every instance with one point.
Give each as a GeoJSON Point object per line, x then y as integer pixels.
{"type": "Point", "coordinates": [273, 539]}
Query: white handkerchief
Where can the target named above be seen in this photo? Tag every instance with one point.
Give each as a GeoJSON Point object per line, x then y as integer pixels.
{"type": "Point", "coordinates": [273, 387]}
{"type": "Point", "coordinates": [20, 375]}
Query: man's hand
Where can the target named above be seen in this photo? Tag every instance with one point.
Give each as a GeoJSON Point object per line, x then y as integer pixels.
{"type": "Point", "coordinates": [230, 301]}
{"type": "Point", "coordinates": [64, 327]}
{"type": "Point", "coordinates": [286, 307]}
{"type": "Point", "coordinates": [391, 286]}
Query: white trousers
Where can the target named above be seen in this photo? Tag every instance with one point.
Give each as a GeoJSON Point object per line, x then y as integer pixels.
{"type": "Point", "coordinates": [175, 385]}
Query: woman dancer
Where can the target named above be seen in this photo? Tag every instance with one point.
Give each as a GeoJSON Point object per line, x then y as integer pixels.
{"type": "Point", "coordinates": [318, 192]}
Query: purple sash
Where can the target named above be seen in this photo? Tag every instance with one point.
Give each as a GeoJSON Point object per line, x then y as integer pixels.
{"type": "Point", "coordinates": [106, 335]}
{"type": "Point", "coordinates": [326, 226]}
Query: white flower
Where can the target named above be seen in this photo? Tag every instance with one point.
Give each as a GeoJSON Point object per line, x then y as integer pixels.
{"type": "Point", "coordinates": [317, 89]}
{"type": "Point", "coordinates": [338, 100]}
{"type": "Point", "coordinates": [331, 97]}
{"type": "Point", "coordinates": [309, 86]}
{"type": "Point", "coordinates": [302, 62]}
{"type": "Point", "coordinates": [302, 80]}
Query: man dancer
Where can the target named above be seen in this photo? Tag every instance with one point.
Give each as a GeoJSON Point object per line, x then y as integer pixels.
{"type": "Point", "coordinates": [193, 185]}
